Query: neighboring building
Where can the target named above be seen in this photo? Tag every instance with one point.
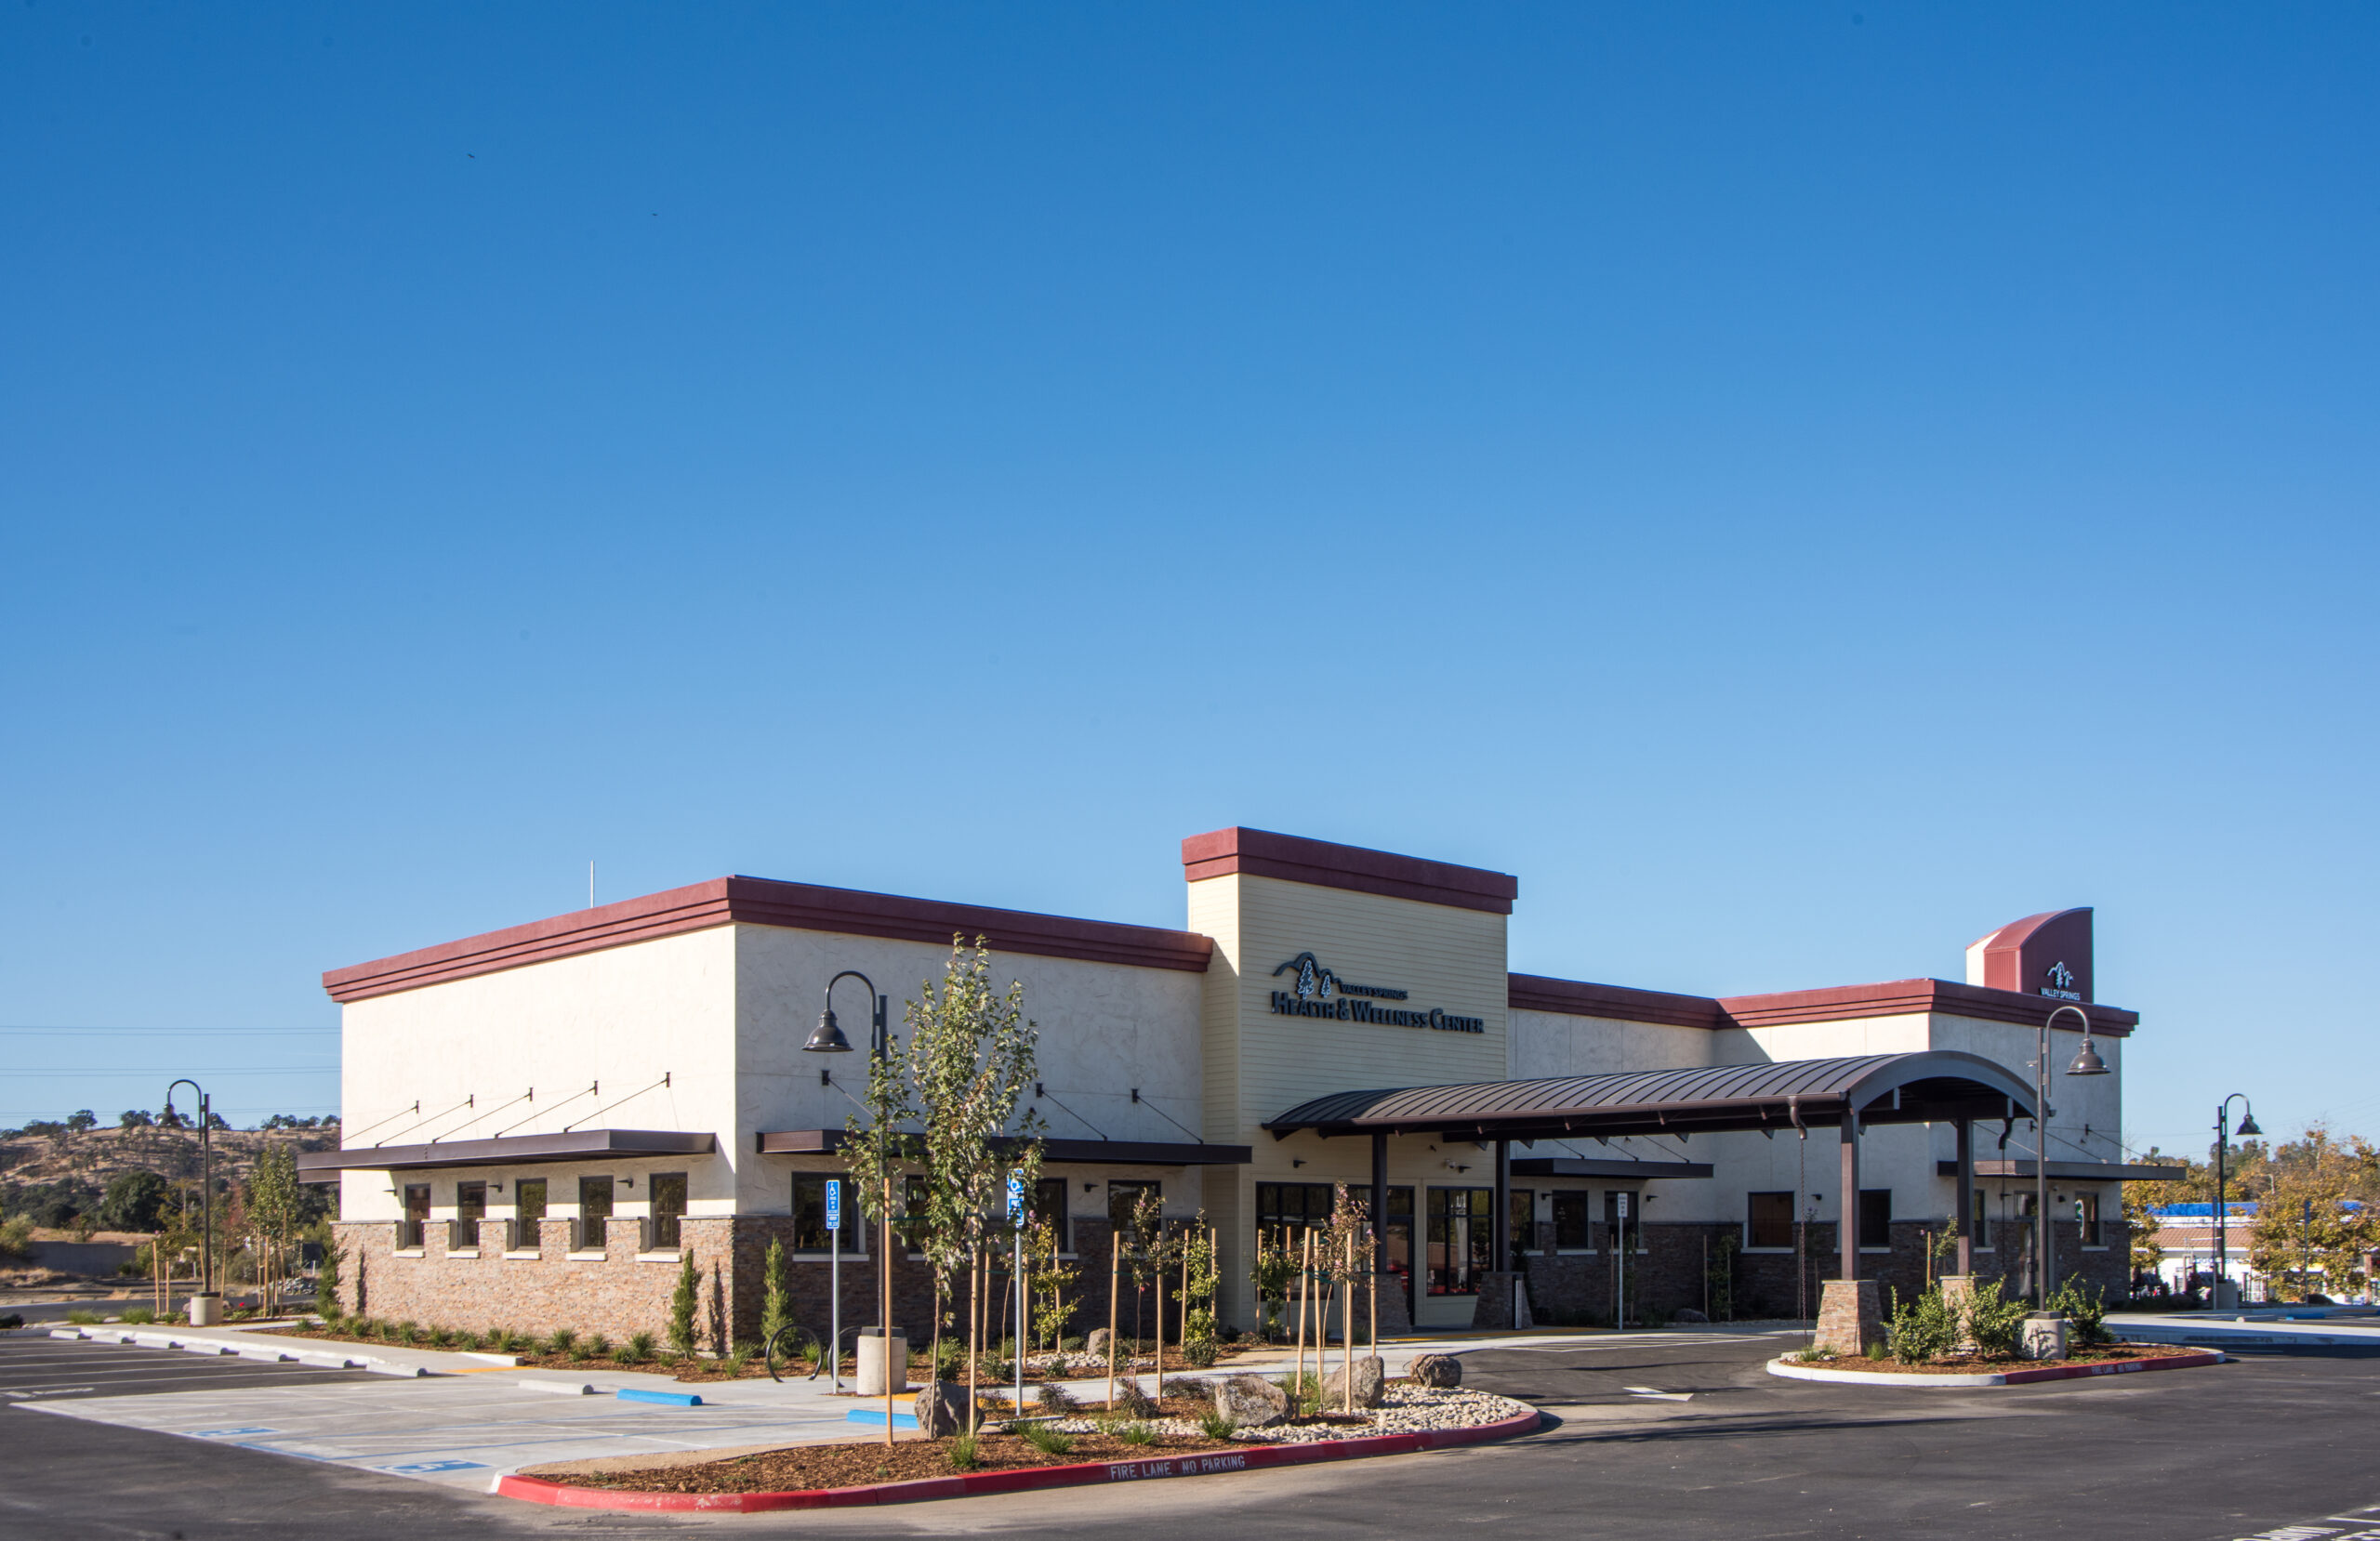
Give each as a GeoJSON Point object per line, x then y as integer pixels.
{"type": "Point", "coordinates": [2186, 1235]}
{"type": "Point", "coordinates": [541, 1118]}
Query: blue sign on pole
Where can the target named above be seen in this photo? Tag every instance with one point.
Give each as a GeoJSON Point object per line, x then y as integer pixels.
{"type": "Point", "coordinates": [834, 1204]}
{"type": "Point", "coordinates": [1016, 1192]}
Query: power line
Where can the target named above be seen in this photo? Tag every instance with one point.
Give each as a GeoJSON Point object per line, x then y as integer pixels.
{"type": "Point", "coordinates": [16, 1029]}
{"type": "Point", "coordinates": [118, 1073]}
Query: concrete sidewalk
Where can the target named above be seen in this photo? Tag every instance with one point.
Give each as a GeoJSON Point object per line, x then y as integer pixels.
{"type": "Point", "coordinates": [2305, 1327]}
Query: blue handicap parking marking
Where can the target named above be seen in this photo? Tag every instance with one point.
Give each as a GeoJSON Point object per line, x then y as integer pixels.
{"type": "Point", "coordinates": [423, 1468]}
{"type": "Point", "coordinates": [247, 1433]}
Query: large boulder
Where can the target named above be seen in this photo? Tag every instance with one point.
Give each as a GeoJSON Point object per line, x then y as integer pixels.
{"type": "Point", "coordinates": [1096, 1344]}
{"type": "Point", "coordinates": [943, 1409]}
{"type": "Point", "coordinates": [1251, 1401]}
{"type": "Point", "coordinates": [1443, 1371]}
{"type": "Point", "coordinates": [1689, 1314]}
{"type": "Point", "coordinates": [1371, 1384]}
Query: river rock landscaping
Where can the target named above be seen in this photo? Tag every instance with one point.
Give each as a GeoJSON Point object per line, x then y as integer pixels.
{"type": "Point", "coordinates": [1173, 1427]}
{"type": "Point", "coordinates": [1971, 1364]}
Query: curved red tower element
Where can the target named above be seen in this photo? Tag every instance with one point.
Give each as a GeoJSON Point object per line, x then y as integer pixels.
{"type": "Point", "coordinates": [2046, 954]}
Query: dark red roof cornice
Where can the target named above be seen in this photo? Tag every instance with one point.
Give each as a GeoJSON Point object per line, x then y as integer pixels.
{"type": "Point", "coordinates": [761, 901]}
{"type": "Point", "coordinates": [1263, 854]}
{"type": "Point", "coordinates": [1842, 1003]}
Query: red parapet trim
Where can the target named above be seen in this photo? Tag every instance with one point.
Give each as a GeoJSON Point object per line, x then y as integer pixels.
{"type": "Point", "coordinates": [1909, 997]}
{"type": "Point", "coordinates": [1263, 854]}
{"type": "Point", "coordinates": [540, 1490]}
{"type": "Point", "coordinates": [761, 901]}
{"type": "Point", "coordinates": [1615, 1002]}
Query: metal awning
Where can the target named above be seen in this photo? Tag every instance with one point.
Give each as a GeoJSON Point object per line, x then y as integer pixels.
{"type": "Point", "coordinates": [1918, 1088]}
{"type": "Point", "coordinates": [506, 1151]}
{"type": "Point", "coordinates": [2068, 1171]}
{"type": "Point", "coordinates": [1574, 1166]}
{"type": "Point", "coordinates": [1054, 1153]}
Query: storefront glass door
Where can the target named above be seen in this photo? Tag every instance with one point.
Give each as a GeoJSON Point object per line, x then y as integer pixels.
{"type": "Point", "coordinates": [1462, 1237]}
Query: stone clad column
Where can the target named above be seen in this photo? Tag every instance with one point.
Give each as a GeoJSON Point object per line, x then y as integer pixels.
{"type": "Point", "coordinates": [1964, 1205]}
{"type": "Point", "coordinates": [1850, 1317]}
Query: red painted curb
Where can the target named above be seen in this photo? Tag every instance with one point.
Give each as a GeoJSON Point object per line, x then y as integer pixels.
{"type": "Point", "coordinates": [2111, 1367]}
{"type": "Point", "coordinates": [538, 1490]}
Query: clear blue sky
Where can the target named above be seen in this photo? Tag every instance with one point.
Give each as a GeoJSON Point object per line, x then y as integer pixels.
{"type": "Point", "coordinates": [1799, 485]}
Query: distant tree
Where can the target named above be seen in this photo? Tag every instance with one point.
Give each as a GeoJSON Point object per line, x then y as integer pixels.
{"type": "Point", "coordinates": [2317, 1213]}
{"type": "Point", "coordinates": [172, 1119]}
{"type": "Point", "coordinates": [85, 1119]}
{"type": "Point", "coordinates": [216, 1120]}
{"type": "Point", "coordinates": [134, 1201]}
{"type": "Point", "coordinates": [2140, 1201]}
{"type": "Point", "coordinates": [136, 1118]}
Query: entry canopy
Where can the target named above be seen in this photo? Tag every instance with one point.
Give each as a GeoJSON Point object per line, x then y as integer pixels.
{"type": "Point", "coordinates": [1935, 1085]}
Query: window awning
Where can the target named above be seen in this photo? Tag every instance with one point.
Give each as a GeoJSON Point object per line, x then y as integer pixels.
{"type": "Point", "coordinates": [1917, 1087]}
{"type": "Point", "coordinates": [2069, 1171]}
{"type": "Point", "coordinates": [505, 1151]}
{"type": "Point", "coordinates": [1054, 1153]}
{"type": "Point", "coordinates": [1571, 1167]}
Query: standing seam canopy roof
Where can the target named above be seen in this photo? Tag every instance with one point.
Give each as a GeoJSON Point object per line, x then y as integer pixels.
{"type": "Point", "coordinates": [1880, 1089]}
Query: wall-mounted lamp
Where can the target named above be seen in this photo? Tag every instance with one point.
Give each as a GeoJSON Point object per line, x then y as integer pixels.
{"type": "Point", "coordinates": [627, 1182]}
{"type": "Point", "coordinates": [1089, 1187]}
{"type": "Point", "coordinates": [1296, 1162]}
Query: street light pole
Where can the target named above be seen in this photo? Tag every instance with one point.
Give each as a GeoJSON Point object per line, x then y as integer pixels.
{"type": "Point", "coordinates": [828, 1039]}
{"type": "Point", "coordinates": [2222, 1153]}
{"type": "Point", "coordinates": [206, 1184]}
{"type": "Point", "coordinates": [2086, 1062]}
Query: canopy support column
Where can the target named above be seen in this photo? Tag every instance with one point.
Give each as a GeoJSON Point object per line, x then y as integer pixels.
{"type": "Point", "coordinates": [1964, 1208]}
{"type": "Point", "coordinates": [1848, 1233]}
{"type": "Point", "coordinates": [1502, 1229]}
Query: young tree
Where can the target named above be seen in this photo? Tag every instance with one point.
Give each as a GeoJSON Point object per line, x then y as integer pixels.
{"type": "Point", "coordinates": [1049, 1277]}
{"type": "Point", "coordinates": [970, 1061]}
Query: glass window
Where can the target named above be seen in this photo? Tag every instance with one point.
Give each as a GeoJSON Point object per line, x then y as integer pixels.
{"type": "Point", "coordinates": [809, 1232]}
{"type": "Point", "coordinates": [668, 1190]}
{"type": "Point", "coordinates": [1460, 1238]}
{"type": "Point", "coordinates": [594, 1213]}
{"type": "Point", "coordinates": [1522, 1224]}
{"type": "Point", "coordinates": [417, 1216]}
{"type": "Point", "coordinates": [1396, 1238]}
{"type": "Point", "coordinates": [1293, 1207]}
{"type": "Point", "coordinates": [528, 1212]}
{"type": "Point", "coordinates": [470, 1208]}
{"type": "Point", "coordinates": [1876, 1216]}
{"type": "Point", "coordinates": [914, 1213]}
{"type": "Point", "coordinates": [1981, 1227]}
{"type": "Point", "coordinates": [2090, 1214]}
{"type": "Point", "coordinates": [1571, 1225]}
{"type": "Point", "coordinates": [1768, 1219]}
{"type": "Point", "coordinates": [1121, 1196]}
{"type": "Point", "coordinates": [1049, 1204]}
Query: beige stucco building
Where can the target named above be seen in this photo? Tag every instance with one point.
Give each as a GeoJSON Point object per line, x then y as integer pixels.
{"type": "Point", "coordinates": [538, 1120]}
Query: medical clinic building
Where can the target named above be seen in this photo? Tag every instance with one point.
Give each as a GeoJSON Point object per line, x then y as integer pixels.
{"type": "Point", "coordinates": [539, 1121]}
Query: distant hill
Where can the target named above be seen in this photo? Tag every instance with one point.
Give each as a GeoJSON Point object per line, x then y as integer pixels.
{"type": "Point", "coordinates": [56, 1176]}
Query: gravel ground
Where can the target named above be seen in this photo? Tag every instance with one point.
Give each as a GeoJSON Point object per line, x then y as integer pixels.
{"type": "Point", "coordinates": [1409, 1410]}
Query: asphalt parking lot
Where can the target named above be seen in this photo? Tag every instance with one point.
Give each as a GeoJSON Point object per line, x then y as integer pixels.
{"type": "Point", "coordinates": [36, 1367]}
{"type": "Point", "coordinates": [1650, 1436]}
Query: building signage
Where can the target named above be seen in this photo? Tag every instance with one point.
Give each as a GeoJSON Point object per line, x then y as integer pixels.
{"type": "Point", "coordinates": [1316, 992]}
{"type": "Point", "coordinates": [2061, 983]}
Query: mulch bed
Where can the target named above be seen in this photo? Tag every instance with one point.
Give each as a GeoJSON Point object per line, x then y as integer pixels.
{"type": "Point", "coordinates": [911, 1458]}
{"type": "Point", "coordinates": [1972, 1366]}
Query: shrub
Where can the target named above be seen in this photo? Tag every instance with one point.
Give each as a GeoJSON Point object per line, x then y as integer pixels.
{"type": "Point", "coordinates": [1183, 1386]}
{"type": "Point", "coordinates": [949, 1360]}
{"type": "Point", "coordinates": [641, 1345]}
{"type": "Point", "coordinates": [441, 1338]}
{"type": "Point", "coordinates": [1879, 1349]}
{"type": "Point", "coordinates": [1071, 1345]}
{"type": "Point", "coordinates": [1216, 1425]}
{"type": "Point", "coordinates": [17, 1237]}
{"type": "Point", "coordinates": [560, 1341]}
{"type": "Point", "coordinates": [1924, 1330]}
{"type": "Point", "coordinates": [1137, 1433]}
{"type": "Point", "coordinates": [466, 1340]}
{"type": "Point", "coordinates": [1131, 1400]}
{"type": "Point", "coordinates": [139, 1316]}
{"type": "Point", "coordinates": [1200, 1353]}
{"type": "Point", "coordinates": [501, 1341]}
{"type": "Point", "coordinates": [961, 1453]}
{"type": "Point", "coordinates": [739, 1356]}
{"type": "Point", "coordinates": [407, 1333]}
{"type": "Point", "coordinates": [82, 1318]}
{"type": "Point", "coordinates": [599, 1345]}
{"type": "Point", "coordinates": [1058, 1368]}
{"type": "Point", "coordinates": [1055, 1398]}
{"type": "Point", "coordinates": [2088, 1313]}
{"type": "Point", "coordinates": [1994, 1324]}
{"type": "Point", "coordinates": [578, 1353]}
{"type": "Point", "coordinates": [623, 1355]}
{"type": "Point", "coordinates": [1049, 1440]}
{"type": "Point", "coordinates": [681, 1305]}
